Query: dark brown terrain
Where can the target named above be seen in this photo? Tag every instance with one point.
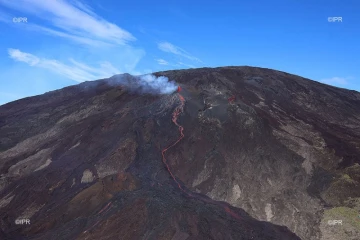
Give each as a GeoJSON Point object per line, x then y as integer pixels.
{"type": "Point", "coordinates": [264, 155]}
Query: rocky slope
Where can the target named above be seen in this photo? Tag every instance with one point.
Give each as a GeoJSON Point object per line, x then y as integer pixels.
{"type": "Point", "coordinates": [263, 154]}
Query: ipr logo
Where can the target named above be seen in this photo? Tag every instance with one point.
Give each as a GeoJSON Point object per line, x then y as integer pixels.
{"type": "Point", "coordinates": [335, 222]}
{"type": "Point", "coordinates": [19, 19]}
{"type": "Point", "coordinates": [22, 221]}
{"type": "Point", "coordinates": [334, 19]}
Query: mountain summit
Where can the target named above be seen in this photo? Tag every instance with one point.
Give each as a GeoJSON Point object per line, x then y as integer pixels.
{"type": "Point", "coordinates": [221, 153]}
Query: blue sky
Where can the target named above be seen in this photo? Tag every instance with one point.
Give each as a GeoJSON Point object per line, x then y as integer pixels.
{"type": "Point", "coordinates": [65, 42]}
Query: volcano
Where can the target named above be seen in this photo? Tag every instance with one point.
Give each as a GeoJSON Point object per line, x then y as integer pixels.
{"type": "Point", "coordinates": [233, 153]}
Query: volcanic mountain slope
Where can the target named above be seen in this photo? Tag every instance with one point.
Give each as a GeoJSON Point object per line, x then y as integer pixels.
{"type": "Point", "coordinates": [260, 150]}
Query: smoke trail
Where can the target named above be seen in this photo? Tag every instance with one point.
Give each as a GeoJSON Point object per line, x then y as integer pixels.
{"type": "Point", "coordinates": [144, 84]}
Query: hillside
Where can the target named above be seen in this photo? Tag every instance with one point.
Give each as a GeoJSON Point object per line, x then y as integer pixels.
{"type": "Point", "coordinates": [238, 153]}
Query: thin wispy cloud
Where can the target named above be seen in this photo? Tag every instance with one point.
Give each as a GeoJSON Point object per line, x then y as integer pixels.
{"type": "Point", "coordinates": [23, 57]}
{"type": "Point", "coordinates": [76, 71]}
{"type": "Point", "coordinates": [186, 65]}
{"type": "Point", "coordinates": [336, 80]}
{"type": "Point", "coordinates": [79, 39]}
{"type": "Point", "coordinates": [84, 7]}
{"type": "Point", "coordinates": [178, 64]}
{"type": "Point", "coordinates": [71, 19]}
{"type": "Point", "coordinates": [170, 48]}
{"type": "Point", "coordinates": [162, 62]}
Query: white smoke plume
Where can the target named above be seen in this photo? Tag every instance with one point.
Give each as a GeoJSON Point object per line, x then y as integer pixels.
{"type": "Point", "coordinates": [144, 84]}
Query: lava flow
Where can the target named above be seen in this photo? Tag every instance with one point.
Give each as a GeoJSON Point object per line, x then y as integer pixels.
{"type": "Point", "coordinates": [175, 116]}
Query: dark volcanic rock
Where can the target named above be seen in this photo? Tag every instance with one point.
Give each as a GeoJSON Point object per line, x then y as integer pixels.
{"type": "Point", "coordinates": [263, 152]}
